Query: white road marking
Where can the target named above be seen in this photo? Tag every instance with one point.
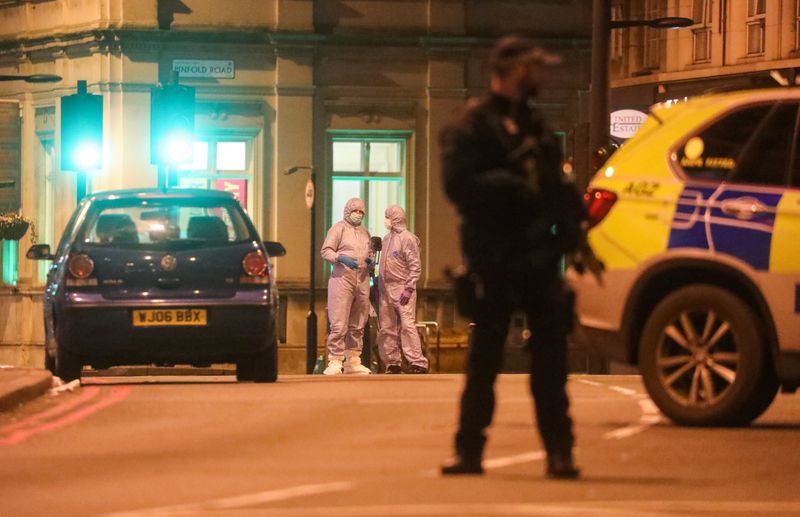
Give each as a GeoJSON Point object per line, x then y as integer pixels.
{"type": "Point", "coordinates": [498, 463]}
{"type": "Point", "coordinates": [624, 391]}
{"type": "Point", "coordinates": [650, 415]}
{"type": "Point", "coordinates": [646, 508]}
{"type": "Point", "coordinates": [507, 461]}
{"type": "Point", "coordinates": [242, 501]}
{"type": "Point", "coordinates": [437, 400]}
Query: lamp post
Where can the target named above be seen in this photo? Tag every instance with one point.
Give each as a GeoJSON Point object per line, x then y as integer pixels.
{"type": "Point", "coordinates": [599, 95]}
{"type": "Point", "coordinates": [311, 319]}
{"type": "Point", "coordinates": [34, 78]}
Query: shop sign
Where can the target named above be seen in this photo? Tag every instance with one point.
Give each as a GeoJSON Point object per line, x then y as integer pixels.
{"type": "Point", "coordinates": [237, 187]}
{"type": "Point", "coordinates": [220, 69]}
{"type": "Point", "coordinates": [625, 123]}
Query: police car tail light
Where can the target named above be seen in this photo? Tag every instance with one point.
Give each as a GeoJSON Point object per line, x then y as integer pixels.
{"type": "Point", "coordinates": [255, 268]}
{"type": "Point", "coordinates": [598, 203]}
{"type": "Point", "coordinates": [80, 266]}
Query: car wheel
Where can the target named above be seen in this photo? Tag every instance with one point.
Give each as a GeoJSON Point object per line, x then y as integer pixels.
{"type": "Point", "coordinates": [265, 364]}
{"type": "Point", "coordinates": [244, 369]}
{"type": "Point", "coordinates": [68, 364]}
{"type": "Point", "coordinates": [702, 358]}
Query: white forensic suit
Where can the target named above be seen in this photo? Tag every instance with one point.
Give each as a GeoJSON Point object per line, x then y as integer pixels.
{"type": "Point", "coordinates": [347, 247]}
{"type": "Point", "coordinates": [399, 270]}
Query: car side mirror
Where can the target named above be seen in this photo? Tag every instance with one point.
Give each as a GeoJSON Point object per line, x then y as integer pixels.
{"type": "Point", "coordinates": [601, 155]}
{"type": "Point", "coordinates": [39, 252]}
{"type": "Point", "coordinates": [274, 249]}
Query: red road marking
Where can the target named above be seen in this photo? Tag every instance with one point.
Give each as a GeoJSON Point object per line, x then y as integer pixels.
{"type": "Point", "coordinates": [86, 394]}
{"type": "Point", "coordinates": [32, 426]}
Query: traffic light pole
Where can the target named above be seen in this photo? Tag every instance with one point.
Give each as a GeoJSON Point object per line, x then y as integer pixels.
{"type": "Point", "coordinates": [80, 186]}
{"type": "Point", "coordinates": [311, 319]}
{"type": "Point", "coordinates": [80, 176]}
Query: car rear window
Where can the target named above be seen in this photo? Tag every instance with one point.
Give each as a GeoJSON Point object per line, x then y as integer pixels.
{"type": "Point", "coordinates": [179, 223]}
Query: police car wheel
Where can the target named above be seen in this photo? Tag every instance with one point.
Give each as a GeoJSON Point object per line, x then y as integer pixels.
{"type": "Point", "coordinates": [702, 358]}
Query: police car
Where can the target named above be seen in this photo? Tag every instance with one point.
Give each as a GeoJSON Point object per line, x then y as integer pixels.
{"type": "Point", "coordinates": [697, 219]}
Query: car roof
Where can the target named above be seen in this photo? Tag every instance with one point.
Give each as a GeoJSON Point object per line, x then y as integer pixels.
{"type": "Point", "coordinates": [728, 99]}
{"type": "Point", "coordinates": [153, 193]}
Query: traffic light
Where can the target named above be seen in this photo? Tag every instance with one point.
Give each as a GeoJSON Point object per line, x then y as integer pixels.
{"type": "Point", "coordinates": [81, 131]}
{"type": "Point", "coordinates": [171, 124]}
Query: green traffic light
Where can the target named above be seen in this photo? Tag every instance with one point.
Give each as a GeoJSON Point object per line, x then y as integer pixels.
{"type": "Point", "coordinates": [178, 148]}
{"type": "Point", "coordinates": [81, 132]}
{"type": "Point", "coordinates": [87, 156]}
{"type": "Point", "coordinates": [171, 124]}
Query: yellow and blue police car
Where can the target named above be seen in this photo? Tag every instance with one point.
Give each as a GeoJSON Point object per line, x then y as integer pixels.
{"type": "Point", "coordinates": [697, 219]}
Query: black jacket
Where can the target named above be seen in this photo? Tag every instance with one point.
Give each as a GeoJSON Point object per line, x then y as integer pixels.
{"type": "Point", "coordinates": [502, 169]}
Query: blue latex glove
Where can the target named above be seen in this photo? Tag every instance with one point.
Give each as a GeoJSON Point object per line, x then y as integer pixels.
{"type": "Point", "coordinates": [348, 261]}
{"type": "Point", "coordinates": [406, 296]}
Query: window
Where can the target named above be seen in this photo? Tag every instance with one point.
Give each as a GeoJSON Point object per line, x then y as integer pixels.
{"type": "Point", "coordinates": [10, 262]}
{"type": "Point", "coordinates": [46, 177]}
{"type": "Point", "coordinates": [652, 37]}
{"type": "Point", "coordinates": [756, 20]}
{"type": "Point", "coordinates": [369, 166]}
{"type": "Point", "coordinates": [617, 41]}
{"type": "Point", "coordinates": [701, 34]}
{"type": "Point", "coordinates": [764, 159]}
{"type": "Point", "coordinates": [700, 11]}
{"type": "Point", "coordinates": [702, 45]}
{"type": "Point", "coordinates": [797, 25]}
{"type": "Point", "coordinates": [169, 225]}
{"type": "Point", "coordinates": [221, 163]}
{"type": "Point", "coordinates": [751, 145]}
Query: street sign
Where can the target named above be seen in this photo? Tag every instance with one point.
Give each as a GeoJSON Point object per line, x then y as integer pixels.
{"type": "Point", "coordinates": [211, 68]}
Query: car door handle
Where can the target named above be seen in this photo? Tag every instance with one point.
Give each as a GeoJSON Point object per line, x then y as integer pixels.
{"type": "Point", "coordinates": [743, 207]}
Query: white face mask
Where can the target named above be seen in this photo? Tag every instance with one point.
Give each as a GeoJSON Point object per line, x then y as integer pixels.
{"type": "Point", "coordinates": [387, 223]}
{"type": "Point", "coordinates": [356, 217]}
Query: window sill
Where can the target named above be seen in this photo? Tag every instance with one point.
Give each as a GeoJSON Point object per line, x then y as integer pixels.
{"type": "Point", "coordinates": [750, 58]}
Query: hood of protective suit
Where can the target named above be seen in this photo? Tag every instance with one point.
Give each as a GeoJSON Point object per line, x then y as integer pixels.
{"type": "Point", "coordinates": [353, 204]}
{"type": "Point", "coordinates": [398, 217]}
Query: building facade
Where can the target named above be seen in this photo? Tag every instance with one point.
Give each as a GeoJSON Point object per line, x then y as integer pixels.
{"type": "Point", "coordinates": [357, 89]}
{"type": "Point", "coordinates": [733, 44]}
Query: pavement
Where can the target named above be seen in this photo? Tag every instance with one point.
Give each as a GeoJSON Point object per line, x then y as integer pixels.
{"type": "Point", "coordinates": [19, 385]}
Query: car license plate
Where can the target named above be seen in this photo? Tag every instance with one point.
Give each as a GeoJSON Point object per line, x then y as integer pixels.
{"type": "Point", "coordinates": [169, 317]}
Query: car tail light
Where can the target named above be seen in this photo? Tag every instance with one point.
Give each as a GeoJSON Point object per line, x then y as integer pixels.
{"type": "Point", "coordinates": [80, 266]}
{"type": "Point", "coordinates": [598, 203]}
{"type": "Point", "coordinates": [255, 268]}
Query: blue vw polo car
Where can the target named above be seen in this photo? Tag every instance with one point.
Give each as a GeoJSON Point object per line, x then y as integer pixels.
{"type": "Point", "coordinates": [160, 277]}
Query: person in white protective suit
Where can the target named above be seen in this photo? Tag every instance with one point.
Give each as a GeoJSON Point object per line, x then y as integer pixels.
{"type": "Point", "coordinates": [347, 247]}
{"type": "Point", "coordinates": [399, 271]}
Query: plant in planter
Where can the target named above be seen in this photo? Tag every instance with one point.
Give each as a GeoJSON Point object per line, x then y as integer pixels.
{"type": "Point", "coordinates": [13, 226]}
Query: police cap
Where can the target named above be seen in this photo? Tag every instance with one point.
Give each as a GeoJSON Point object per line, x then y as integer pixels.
{"type": "Point", "coordinates": [519, 49]}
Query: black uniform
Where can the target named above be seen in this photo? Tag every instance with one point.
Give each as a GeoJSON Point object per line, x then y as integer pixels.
{"type": "Point", "coordinates": [502, 170]}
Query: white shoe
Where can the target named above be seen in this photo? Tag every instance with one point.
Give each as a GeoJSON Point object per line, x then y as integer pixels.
{"type": "Point", "coordinates": [353, 364]}
{"type": "Point", "coordinates": [334, 367]}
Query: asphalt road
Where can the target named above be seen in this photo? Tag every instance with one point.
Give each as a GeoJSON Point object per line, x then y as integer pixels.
{"type": "Point", "coordinates": [371, 446]}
